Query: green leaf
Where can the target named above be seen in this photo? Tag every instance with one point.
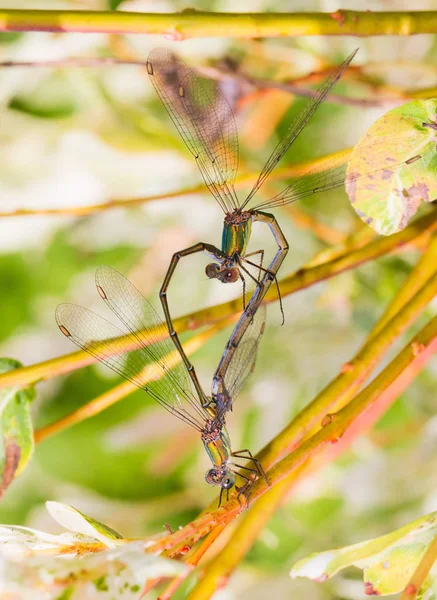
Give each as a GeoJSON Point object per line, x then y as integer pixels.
{"type": "Point", "coordinates": [74, 520]}
{"type": "Point", "coordinates": [53, 98]}
{"type": "Point", "coordinates": [114, 4]}
{"type": "Point", "coordinates": [9, 37]}
{"type": "Point", "coordinates": [388, 562]}
{"type": "Point", "coordinates": [391, 195]}
{"type": "Point", "coordinates": [16, 427]}
{"type": "Point", "coordinates": [34, 559]}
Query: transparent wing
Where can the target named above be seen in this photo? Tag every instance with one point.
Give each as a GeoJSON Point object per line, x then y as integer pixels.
{"type": "Point", "coordinates": [204, 119]}
{"type": "Point", "coordinates": [297, 125]}
{"type": "Point", "coordinates": [143, 322]}
{"type": "Point", "coordinates": [328, 175]}
{"type": "Point", "coordinates": [141, 353]}
{"type": "Point", "coordinates": [243, 361]}
{"type": "Point", "coordinates": [332, 173]}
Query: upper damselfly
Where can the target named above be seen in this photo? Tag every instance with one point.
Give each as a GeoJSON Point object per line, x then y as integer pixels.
{"type": "Point", "coordinates": [205, 121]}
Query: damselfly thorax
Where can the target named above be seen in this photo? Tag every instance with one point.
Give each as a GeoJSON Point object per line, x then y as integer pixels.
{"type": "Point", "coordinates": [237, 227]}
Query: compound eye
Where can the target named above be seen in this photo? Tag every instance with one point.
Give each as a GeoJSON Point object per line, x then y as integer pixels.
{"type": "Point", "coordinates": [228, 481]}
{"type": "Point", "coordinates": [211, 477]}
{"type": "Point", "coordinates": [231, 275]}
{"type": "Point", "coordinates": [212, 270]}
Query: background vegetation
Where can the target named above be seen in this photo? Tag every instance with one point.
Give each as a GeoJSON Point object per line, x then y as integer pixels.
{"type": "Point", "coordinates": [77, 137]}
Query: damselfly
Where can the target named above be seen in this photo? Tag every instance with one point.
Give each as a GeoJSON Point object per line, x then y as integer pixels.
{"type": "Point", "coordinates": [142, 352]}
{"type": "Point", "coordinates": [206, 124]}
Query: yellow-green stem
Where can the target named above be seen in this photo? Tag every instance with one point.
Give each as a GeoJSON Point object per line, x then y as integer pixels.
{"type": "Point", "coordinates": [193, 24]}
{"type": "Point", "coordinates": [354, 373]}
{"type": "Point", "coordinates": [384, 388]}
{"type": "Point", "coordinates": [122, 390]}
{"type": "Point", "coordinates": [299, 280]}
{"type": "Point", "coordinates": [243, 180]}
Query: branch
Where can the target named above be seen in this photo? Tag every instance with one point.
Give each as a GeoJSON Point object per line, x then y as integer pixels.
{"type": "Point", "coordinates": [341, 389]}
{"type": "Point", "coordinates": [299, 280]}
{"type": "Point", "coordinates": [374, 348]}
{"type": "Point", "coordinates": [421, 273]}
{"type": "Point", "coordinates": [290, 87]}
{"type": "Point", "coordinates": [216, 73]}
{"type": "Point", "coordinates": [119, 392]}
{"type": "Point", "coordinates": [242, 181]}
{"type": "Point", "coordinates": [421, 573]}
{"type": "Point", "coordinates": [343, 426]}
{"type": "Point", "coordinates": [194, 24]}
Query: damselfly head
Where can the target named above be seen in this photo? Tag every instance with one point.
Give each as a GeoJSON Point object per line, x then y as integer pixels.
{"type": "Point", "coordinates": [223, 274]}
{"type": "Point", "coordinates": [220, 477]}
{"type": "Point", "coordinates": [212, 270]}
{"type": "Point", "coordinates": [229, 275]}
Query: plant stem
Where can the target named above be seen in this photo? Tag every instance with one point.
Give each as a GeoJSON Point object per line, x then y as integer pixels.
{"type": "Point", "coordinates": [384, 389]}
{"type": "Point", "coordinates": [297, 170]}
{"type": "Point", "coordinates": [421, 273]}
{"type": "Point", "coordinates": [119, 392]}
{"type": "Point", "coordinates": [194, 24]}
{"type": "Point", "coordinates": [214, 73]}
{"type": "Point", "coordinates": [421, 573]}
{"type": "Point", "coordinates": [193, 561]}
{"type": "Point", "coordinates": [341, 389]}
{"type": "Point", "coordinates": [299, 280]}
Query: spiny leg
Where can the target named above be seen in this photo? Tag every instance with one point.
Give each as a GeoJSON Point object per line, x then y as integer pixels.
{"type": "Point", "coordinates": [246, 487]}
{"type": "Point", "coordinates": [259, 267]}
{"type": "Point", "coordinates": [244, 289]}
{"type": "Point", "coordinates": [218, 255]}
{"type": "Point", "coordinates": [255, 471]}
{"type": "Point", "coordinates": [256, 462]}
{"type": "Point", "coordinates": [275, 279]}
{"type": "Point", "coordinates": [251, 276]}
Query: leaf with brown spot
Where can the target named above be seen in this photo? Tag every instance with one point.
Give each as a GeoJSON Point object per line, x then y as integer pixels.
{"type": "Point", "coordinates": [393, 168]}
{"type": "Point", "coordinates": [16, 428]}
{"type": "Point", "coordinates": [387, 562]}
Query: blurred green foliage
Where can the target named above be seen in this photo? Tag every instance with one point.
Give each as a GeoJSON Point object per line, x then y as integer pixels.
{"type": "Point", "coordinates": [72, 140]}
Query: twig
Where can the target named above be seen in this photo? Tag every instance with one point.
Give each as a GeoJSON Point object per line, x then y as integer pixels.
{"type": "Point", "coordinates": [341, 389]}
{"type": "Point", "coordinates": [119, 392]}
{"type": "Point", "coordinates": [213, 73]}
{"type": "Point", "coordinates": [296, 170]}
{"type": "Point", "coordinates": [299, 280]}
{"type": "Point", "coordinates": [421, 573]}
{"type": "Point", "coordinates": [384, 389]}
{"type": "Point", "coordinates": [194, 24]}
{"type": "Point", "coordinates": [297, 90]}
{"type": "Point", "coordinates": [193, 561]}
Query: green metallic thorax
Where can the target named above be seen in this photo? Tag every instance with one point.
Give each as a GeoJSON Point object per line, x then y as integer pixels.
{"type": "Point", "coordinates": [218, 447]}
{"type": "Point", "coordinates": [235, 237]}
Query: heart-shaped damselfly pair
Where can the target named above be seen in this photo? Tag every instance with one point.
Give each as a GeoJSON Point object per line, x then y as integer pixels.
{"type": "Point", "coordinates": [204, 119]}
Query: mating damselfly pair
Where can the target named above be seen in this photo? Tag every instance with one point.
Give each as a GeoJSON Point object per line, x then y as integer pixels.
{"type": "Point", "coordinates": [146, 349]}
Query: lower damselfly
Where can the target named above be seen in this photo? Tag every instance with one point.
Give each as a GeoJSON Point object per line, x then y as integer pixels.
{"type": "Point", "coordinates": [141, 351]}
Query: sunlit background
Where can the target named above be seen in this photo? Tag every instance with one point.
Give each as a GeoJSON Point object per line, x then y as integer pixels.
{"type": "Point", "coordinates": [73, 137]}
